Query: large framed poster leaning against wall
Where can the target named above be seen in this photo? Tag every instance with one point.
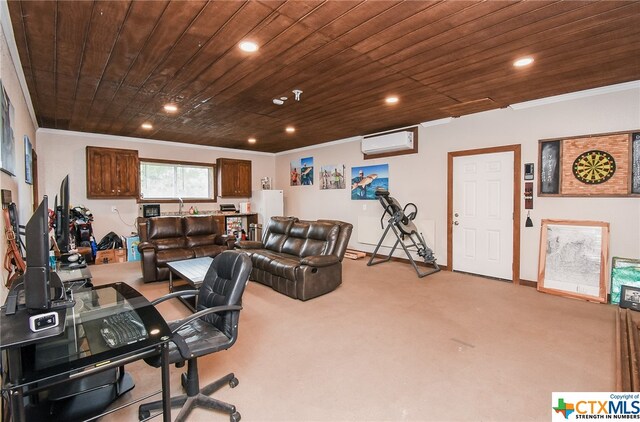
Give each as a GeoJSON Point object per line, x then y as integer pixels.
{"type": "Point", "coordinates": [573, 259]}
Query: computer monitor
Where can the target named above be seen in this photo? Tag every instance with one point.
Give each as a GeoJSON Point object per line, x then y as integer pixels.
{"type": "Point", "coordinates": [62, 216]}
{"type": "Point", "coordinates": [37, 275]}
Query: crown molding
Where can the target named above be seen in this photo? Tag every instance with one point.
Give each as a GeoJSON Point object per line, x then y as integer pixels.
{"type": "Point", "coordinates": [324, 145]}
{"type": "Point", "coordinates": [576, 95]}
{"type": "Point", "coordinates": [100, 136]}
{"type": "Point", "coordinates": [437, 122]}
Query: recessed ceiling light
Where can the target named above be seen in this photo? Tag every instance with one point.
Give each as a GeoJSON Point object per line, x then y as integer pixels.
{"type": "Point", "coordinates": [171, 108]}
{"type": "Point", "coordinates": [525, 61]}
{"type": "Point", "coordinates": [290, 129]}
{"type": "Point", "coordinates": [391, 100]}
{"type": "Point", "coordinates": [147, 126]}
{"type": "Point", "coordinates": [252, 140]}
{"type": "Point", "coordinates": [248, 46]}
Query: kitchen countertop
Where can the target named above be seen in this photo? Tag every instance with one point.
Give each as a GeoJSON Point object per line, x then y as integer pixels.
{"type": "Point", "coordinates": [227, 214]}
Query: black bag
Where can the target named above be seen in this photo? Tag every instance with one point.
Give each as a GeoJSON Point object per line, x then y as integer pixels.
{"type": "Point", "coordinates": [110, 241]}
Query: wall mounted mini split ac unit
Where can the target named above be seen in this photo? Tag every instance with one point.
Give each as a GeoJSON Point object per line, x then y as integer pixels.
{"type": "Point", "coordinates": [389, 142]}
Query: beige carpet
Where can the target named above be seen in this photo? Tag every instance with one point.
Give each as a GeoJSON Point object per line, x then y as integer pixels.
{"type": "Point", "coordinates": [388, 346]}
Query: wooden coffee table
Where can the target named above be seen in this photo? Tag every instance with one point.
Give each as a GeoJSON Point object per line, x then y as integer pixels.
{"type": "Point", "coordinates": [192, 271]}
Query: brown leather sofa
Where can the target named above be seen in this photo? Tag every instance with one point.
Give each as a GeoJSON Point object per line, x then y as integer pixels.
{"type": "Point", "coordinates": [166, 239]}
{"type": "Point", "coordinates": [301, 259]}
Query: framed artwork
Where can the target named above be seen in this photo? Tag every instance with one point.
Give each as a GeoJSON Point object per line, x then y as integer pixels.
{"type": "Point", "coordinates": [590, 165]}
{"type": "Point", "coordinates": [630, 297]}
{"type": "Point", "coordinates": [365, 180]}
{"type": "Point", "coordinates": [7, 145]}
{"type": "Point", "coordinates": [28, 160]}
{"type": "Point", "coordinates": [549, 167]}
{"type": "Point", "coordinates": [573, 259]}
{"type": "Point", "coordinates": [301, 172]}
{"type": "Point", "coordinates": [332, 177]}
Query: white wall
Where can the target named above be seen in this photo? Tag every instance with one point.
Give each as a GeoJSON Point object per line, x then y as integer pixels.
{"type": "Point", "coordinates": [63, 152]}
{"type": "Point", "coordinates": [22, 125]}
{"type": "Point", "coordinates": [422, 178]}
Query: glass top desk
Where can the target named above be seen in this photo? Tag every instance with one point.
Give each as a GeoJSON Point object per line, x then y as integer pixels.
{"type": "Point", "coordinates": [81, 350]}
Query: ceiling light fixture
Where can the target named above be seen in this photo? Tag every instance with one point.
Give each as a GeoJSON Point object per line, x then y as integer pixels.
{"type": "Point", "coordinates": [525, 61]}
{"type": "Point", "coordinates": [252, 140]}
{"type": "Point", "coordinates": [171, 108]}
{"type": "Point", "coordinates": [147, 126]}
{"type": "Point", "coordinates": [290, 129]}
{"type": "Point", "coordinates": [248, 46]}
{"type": "Point", "coordinates": [391, 100]}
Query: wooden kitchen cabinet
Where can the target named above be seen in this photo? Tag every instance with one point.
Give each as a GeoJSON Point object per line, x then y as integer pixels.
{"type": "Point", "coordinates": [112, 173]}
{"type": "Point", "coordinates": [234, 177]}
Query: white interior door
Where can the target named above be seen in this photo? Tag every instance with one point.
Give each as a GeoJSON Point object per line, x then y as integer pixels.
{"type": "Point", "coordinates": [483, 214]}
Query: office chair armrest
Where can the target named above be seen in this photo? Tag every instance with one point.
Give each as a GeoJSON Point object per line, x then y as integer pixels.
{"type": "Point", "coordinates": [183, 293]}
{"type": "Point", "coordinates": [249, 244]}
{"type": "Point", "coordinates": [204, 312]}
{"type": "Point", "coordinates": [146, 246]}
{"type": "Point", "coordinates": [320, 260]}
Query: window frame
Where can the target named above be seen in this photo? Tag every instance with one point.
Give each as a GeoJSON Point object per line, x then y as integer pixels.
{"type": "Point", "coordinates": [178, 162]}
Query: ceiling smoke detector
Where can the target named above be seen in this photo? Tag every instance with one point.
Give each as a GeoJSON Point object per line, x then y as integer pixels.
{"type": "Point", "coordinates": [296, 93]}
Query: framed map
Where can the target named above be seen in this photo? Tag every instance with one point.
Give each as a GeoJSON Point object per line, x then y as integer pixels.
{"type": "Point", "coordinates": [573, 259]}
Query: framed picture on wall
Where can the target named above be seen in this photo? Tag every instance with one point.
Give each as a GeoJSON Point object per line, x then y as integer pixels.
{"type": "Point", "coordinates": [573, 259]}
{"type": "Point", "coordinates": [28, 160]}
{"type": "Point", "coordinates": [366, 179]}
{"type": "Point", "coordinates": [7, 145]}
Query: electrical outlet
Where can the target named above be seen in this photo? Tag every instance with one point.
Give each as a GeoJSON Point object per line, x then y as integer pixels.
{"type": "Point", "coordinates": [114, 209]}
{"type": "Point", "coordinates": [364, 207]}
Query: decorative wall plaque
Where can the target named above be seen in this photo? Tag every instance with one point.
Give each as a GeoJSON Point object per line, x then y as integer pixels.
{"type": "Point", "coordinates": [592, 165]}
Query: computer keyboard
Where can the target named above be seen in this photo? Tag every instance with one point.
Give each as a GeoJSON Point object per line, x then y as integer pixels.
{"type": "Point", "coordinates": [122, 328]}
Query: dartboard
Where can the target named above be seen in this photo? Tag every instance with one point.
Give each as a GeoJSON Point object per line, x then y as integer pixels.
{"type": "Point", "coordinates": [593, 167]}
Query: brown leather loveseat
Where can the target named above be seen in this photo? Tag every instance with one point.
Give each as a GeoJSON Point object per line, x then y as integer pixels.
{"type": "Point", "coordinates": [166, 239]}
{"type": "Point", "coordinates": [301, 259]}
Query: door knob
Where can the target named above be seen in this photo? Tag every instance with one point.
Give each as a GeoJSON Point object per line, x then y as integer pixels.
{"type": "Point", "coordinates": [455, 215]}
{"type": "Point", "coordinates": [455, 223]}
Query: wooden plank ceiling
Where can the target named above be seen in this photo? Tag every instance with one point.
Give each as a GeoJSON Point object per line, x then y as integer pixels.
{"type": "Point", "coordinates": [109, 66]}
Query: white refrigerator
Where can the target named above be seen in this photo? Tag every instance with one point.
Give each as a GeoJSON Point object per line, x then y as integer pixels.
{"type": "Point", "coordinates": [267, 203]}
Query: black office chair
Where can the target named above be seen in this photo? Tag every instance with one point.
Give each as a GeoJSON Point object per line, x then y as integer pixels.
{"type": "Point", "coordinates": [212, 328]}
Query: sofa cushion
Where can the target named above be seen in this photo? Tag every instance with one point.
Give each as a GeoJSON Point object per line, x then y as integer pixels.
{"type": "Point", "coordinates": [176, 254]}
{"type": "Point", "coordinates": [280, 264]}
{"type": "Point", "coordinates": [208, 250]}
{"type": "Point", "coordinates": [277, 233]}
{"type": "Point", "coordinates": [200, 230]}
{"type": "Point", "coordinates": [166, 232]}
{"type": "Point", "coordinates": [321, 239]}
{"type": "Point", "coordinates": [284, 267]}
{"type": "Point", "coordinates": [199, 225]}
{"type": "Point", "coordinates": [297, 237]}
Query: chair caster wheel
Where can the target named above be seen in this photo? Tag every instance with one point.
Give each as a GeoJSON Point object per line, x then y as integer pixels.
{"type": "Point", "coordinates": [183, 381]}
{"type": "Point", "coordinates": [143, 414]}
{"type": "Point", "coordinates": [233, 382]}
{"type": "Point", "coordinates": [235, 417]}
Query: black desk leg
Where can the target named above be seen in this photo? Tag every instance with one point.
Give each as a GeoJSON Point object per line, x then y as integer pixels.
{"type": "Point", "coordinates": [15, 373]}
{"type": "Point", "coordinates": [166, 384]}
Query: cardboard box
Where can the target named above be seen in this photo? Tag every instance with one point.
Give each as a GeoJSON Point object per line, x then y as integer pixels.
{"type": "Point", "coordinates": [120, 255]}
{"type": "Point", "coordinates": [132, 248]}
{"type": "Point", "coordinates": [105, 257]}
